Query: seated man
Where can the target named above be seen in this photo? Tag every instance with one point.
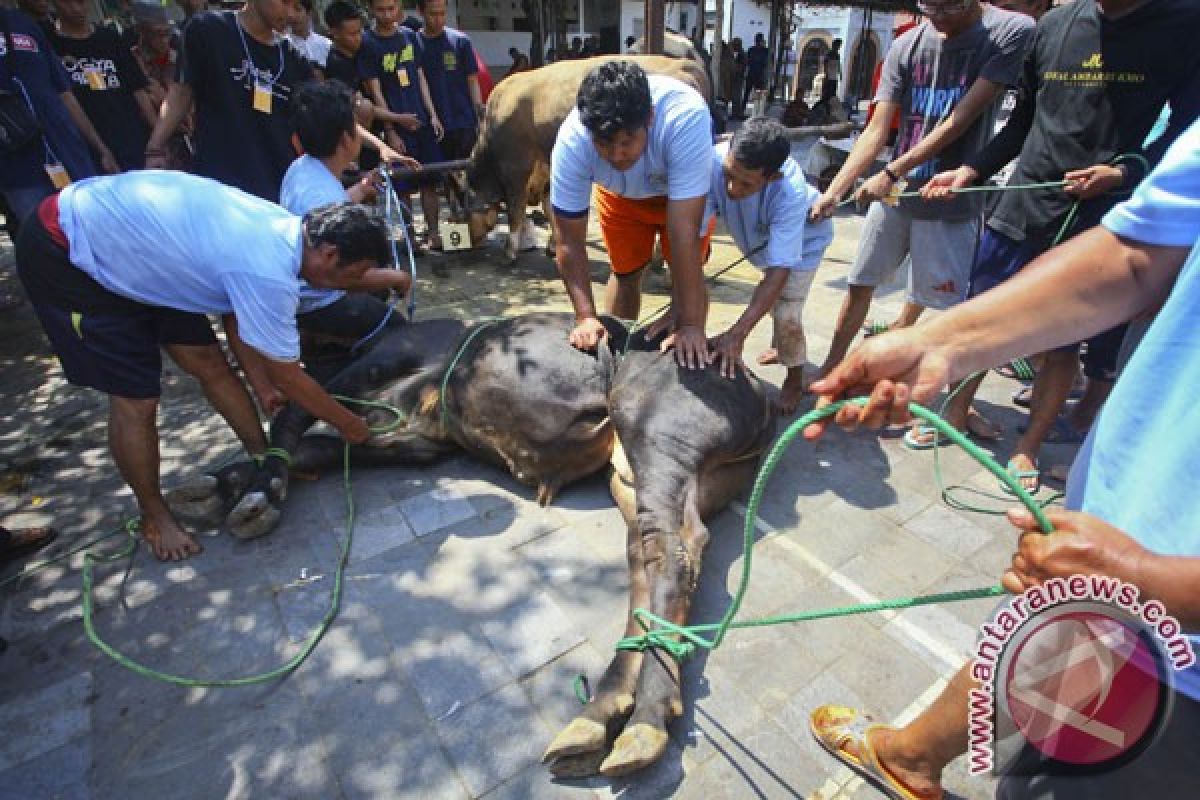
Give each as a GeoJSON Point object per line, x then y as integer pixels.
{"type": "Point", "coordinates": [642, 142]}
{"type": "Point", "coordinates": [762, 195]}
{"type": "Point", "coordinates": [323, 118]}
{"type": "Point", "coordinates": [117, 267]}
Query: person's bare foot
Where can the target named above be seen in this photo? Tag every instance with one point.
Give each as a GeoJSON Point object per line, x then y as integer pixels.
{"type": "Point", "coordinates": [1022, 463]}
{"type": "Point", "coordinates": [917, 775]}
{"type": "Point", "coordinates": [167, 540]}
{"type": "Point", "coordinates": [768, 357]}
{"type": "Point", "coordinates": [791, 392]}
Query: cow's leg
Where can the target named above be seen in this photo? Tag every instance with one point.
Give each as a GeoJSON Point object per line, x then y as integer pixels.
{"type": "Point", "coordinates": [673, 564]}
{"type": "Point", "coordinates": [579, 748]}
{"type": "Point", "coordinates": [208, 498]}
{"type": "Point", "coordinates": [550, 248]}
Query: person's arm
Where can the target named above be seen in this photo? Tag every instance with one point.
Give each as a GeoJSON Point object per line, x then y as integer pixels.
{"type": "Point", "coordinates": [386, 153]}
{"type": "Point", "coordinates": [146, 108]}
{"type": "Point", "coordinates": [379, 279]}
{"type": "Point", "coordinates": [570, 236]}
{"type": "Point", "coordinates": [1087, 285]}
{"type": "Point", "coordinates": [1006, 145]}
{"type": "Point", "coordinates": [175, 109]}
{"type": "Point", "coordinates": [727, 347]}
{"type": "Point", "coordinates": [689, 297]}
{"type": "Point", "coordinates": [1083, 544]}
{"type": "Point", "coordinates": [254, 366]}
{"type": "Point", "coordinates": [308, 394]}
{"type": "Point", "coordinates": [862, 156]}
{"type": "Point", "coordinates": [476, 94]}
{"type": "Point", "coordinates": [978, 99]}
{"type": "Point", "coordinates": [427, 99]}
{"type": "Point", "coordinates": [107, 162]}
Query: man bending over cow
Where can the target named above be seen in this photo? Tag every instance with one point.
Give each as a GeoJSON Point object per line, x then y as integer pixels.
{"type": "Point", "coordinates": [762, 195]}
{"type": "Point", "coordinates": [641, 141]}
{"type": "Point", "coordinates": [117, 267]}
{"type": "Point", "coordinates": [325, 130]}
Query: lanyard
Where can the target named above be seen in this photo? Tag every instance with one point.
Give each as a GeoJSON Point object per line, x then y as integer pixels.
{"type": "Point", "coordinates": [270, 80]}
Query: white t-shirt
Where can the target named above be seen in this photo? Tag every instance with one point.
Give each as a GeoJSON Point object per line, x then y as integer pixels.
{"type": "Point", "coordinates": [181, 241]}
{"type": "Point", "coordinates": [308, 184]}
{"type": "Point", "coordinates": [776, 217]}
{"type": "Point", "coordinates": [314, 47]}
{"type": "Point", "coordinates": [671, 165]}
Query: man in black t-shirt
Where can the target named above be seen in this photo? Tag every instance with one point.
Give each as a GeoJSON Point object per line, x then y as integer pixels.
{"type": "Point", "coordinates": [106, 81]}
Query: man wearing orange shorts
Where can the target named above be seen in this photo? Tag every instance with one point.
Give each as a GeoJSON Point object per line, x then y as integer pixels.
{"type": "Point", "coordinates": [644, 142]}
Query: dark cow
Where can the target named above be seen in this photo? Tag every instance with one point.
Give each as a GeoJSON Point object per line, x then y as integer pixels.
{"type": "Point", "coordinates": [510, 163]}
{"type": "Point", "coordinates": [682, 444]}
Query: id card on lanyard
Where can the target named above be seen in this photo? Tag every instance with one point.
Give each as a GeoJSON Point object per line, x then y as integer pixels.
{"type": "Point", "coordinates": [263, 91]}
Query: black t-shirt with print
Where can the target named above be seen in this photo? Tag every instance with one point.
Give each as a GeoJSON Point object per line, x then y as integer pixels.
{"type": "Point", "coordinates": [350, 70]}
{"type": "Point", "coordinates": [1091, 89]}
{"type": "Point", "coordinates": [235, 143]}
{"type": "Point", "coordinates": [104, 77]}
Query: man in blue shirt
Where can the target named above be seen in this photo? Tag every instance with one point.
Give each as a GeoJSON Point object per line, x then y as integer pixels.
{"type": "Point", "coordinates": [763, 197]}
{"type": "Point", "coordinates": [120, 266]}
{"type": "Point", "coordinates": [448, 59]}
{"type": "Point", "coordinates": [1132, 493]}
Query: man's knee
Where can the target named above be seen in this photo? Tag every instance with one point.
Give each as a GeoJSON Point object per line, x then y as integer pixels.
{"type": "Point", "coordinates": [205, 363]}
{"type": "Point", "coordinates": [134, 409]}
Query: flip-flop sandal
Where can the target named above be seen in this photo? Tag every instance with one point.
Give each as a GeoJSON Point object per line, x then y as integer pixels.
{"type": "Point", "coordinates": [1019, 369]}
{"type": "Point", "coordinates": [834, 727]}
{"type": "Point", "coordinates": [924, 437]}
{"type": "Point", "coordinates": [1024, 396]}
{"type": "Point", "coordinates": [1022, 475]}
{"type": "Point", "coordinates": [870, 328]}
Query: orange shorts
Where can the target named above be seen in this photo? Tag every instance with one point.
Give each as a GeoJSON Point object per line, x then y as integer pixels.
{"type": "Point", "coordinates": [629, 227]}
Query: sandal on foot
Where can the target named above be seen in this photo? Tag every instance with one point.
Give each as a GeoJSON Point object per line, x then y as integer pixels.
{"type": "Point", "coordinates": [835, 727]}
{"type": "Point", "coordinates": [871, 328]}
{"type": "Point", "coordinates": [1022, 475]}
{"type": "Point", "coordinates": [924, 437]}
{"type": "Point", "coordinates": [1019, 369]}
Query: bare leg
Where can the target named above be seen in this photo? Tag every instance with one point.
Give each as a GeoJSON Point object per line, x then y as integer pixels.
{"type": "Point", "coordinates": [1050, 390]}
{"type": "Point", "coordinates": [224, 390]}
{"type": "Point", "coordinates": [431, 206]}
{"type": "Point", "coordinates": [791, 391]}
{"type": "Point", "coordinates": [623, 294]}
{"type": "Point", "coordinates": [133, 440]}
{"type": "Point", "coordinates": [908, 315]}
{"type": "Point", "coordinates": [855, 305]}
{"type": "Point", "coordinates": [1094, 397]}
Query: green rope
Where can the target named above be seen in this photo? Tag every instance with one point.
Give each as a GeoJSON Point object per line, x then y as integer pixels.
{"type": "Point", "coordinates": [280, 453]}
{"type": "Point", "coordinates": [462, 349]}
{"type": "Point", "coordinates": [662, 635]}
{"type": "Point", "coordinates": [1019, 187]}
{"type": "Point", "coordinates": [314, 638]}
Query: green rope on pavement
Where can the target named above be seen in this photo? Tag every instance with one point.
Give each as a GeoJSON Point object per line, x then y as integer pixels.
{"type": "Point", "coordinates": [314, 638]}
{"type": "Point", "coordinates": [663, 633]}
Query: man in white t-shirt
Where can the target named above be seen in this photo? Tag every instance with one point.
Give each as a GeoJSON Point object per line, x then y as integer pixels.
{"type": "Point", "coordinates": [763, 197]}
{"type": "Point", "coordinates": [121, 266]}
{"type": "Point", "coordinates": [312, 45]}
{"type": "Point", "coordinates": [643, 143]}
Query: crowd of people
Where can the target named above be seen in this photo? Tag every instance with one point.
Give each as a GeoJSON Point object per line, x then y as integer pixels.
{"type": "Point", "coordinates": [1099, 227]}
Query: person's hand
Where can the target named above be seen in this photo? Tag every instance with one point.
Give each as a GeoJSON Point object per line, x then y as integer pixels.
{"type": "Point", "coordinates": [1093, 181]}
{"type": "Point", "coordinates": [389, 155]}
{"type": "Point", "coordinates": [355, 430]}
{"type": "Point", "coordinates": [876, 187]}
{"type": "Point", "coordinates": [270, 398]}
{"type": "Point", "coordinates": [1081, 544]}
{"type": "Point", "coordinates": [401, 282]}
{"type": "Point", "coordinates": [108, 162]}
{"type": "Point", "coordinates": [727, 350]}
{"type": "Point", "coordinates": [691, 346]}
{"type": "Point", "coordinates": [367, 188]}
{"type": "Point", "coordinates": [892, 368]}
{"type": "Point", "coordinates": [394, 140]}
{"type": "Point", "coordinates": [824, 207]}
{"type": "Point", "coordinates": [410, 122]}
{"type": "Point", "coordinates": [942, 185]}
{"type": "Point", "coordinates": [438, 130]}
{"type": "Point", "coordinates": [587, 333]}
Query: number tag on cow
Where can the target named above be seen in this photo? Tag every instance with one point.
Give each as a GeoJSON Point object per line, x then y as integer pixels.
{"type": "Point", "coordinates": [455, 236]}
{"type": "Point", "coordinates": [262, 97]}
{"type": "Point", "coordinates": [402, 76]}
{"type": "Point", "coordinates": [58, 176]}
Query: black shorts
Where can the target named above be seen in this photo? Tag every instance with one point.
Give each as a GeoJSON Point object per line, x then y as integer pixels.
{"type": "Point", "coordinates": [458, 143]}
{"type": "Point", "coordinates": [422, 145]}
{"type": "Point", "coordinates": [103, 341]}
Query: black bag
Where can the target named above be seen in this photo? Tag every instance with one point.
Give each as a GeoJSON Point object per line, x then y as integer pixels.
{"type": "Point", "coordinates": [18, 124]}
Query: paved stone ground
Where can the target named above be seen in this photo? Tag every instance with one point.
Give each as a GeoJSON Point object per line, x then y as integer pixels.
{"type": "Point", "coordinates": [468, 609]}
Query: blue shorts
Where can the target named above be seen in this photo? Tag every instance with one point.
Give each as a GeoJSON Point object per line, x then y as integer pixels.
{"type": "Point", "coordinates": [103, 340]}
{"type": "Point", "coordinates": [421, 145]}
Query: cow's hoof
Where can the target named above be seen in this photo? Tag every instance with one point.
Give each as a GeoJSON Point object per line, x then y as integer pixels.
{"type": "Point", "coordinates": [582, 735]}
{"type": "Point", "coordinates": [253, 516]}
{"type": "Point", "coordinates": [584, 765]}
{"type": "Point", "coordinates": [199, 499]}
{"type": "Point", "coordinates": [636, 748]}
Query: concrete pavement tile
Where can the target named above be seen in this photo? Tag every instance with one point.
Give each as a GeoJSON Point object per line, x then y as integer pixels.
{"type": "Point", "coordinates": [44, 720]}
{"type": "Point", "coordinates": [536, 783]}
{"type": "Point", "coordinates": [531, 633]}
{"type": "Point", "coordinates": [661, 779]}
{"type": "Point", "coordinates": [763, 762]}
{"type": "Point", "coordinates": [492, 739]}
{"type": "Point", "coordinates": [60, 774]}
{"type": "Point", "coordinates": [898, 564]}
{"type": "Point", "coordinates": [436, 509]}
{"type": "Point", "coordinates": [793, 716]}
{"type": "Point", "coordinates": [551, 688]}
{"type": "Point", "coordinates": [949, 531]}
{"type": "Point", "coordinates": [406, 768]}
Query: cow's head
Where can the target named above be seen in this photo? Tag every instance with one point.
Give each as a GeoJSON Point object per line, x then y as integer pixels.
{"type": "Point", "coordinates": [482, 195]}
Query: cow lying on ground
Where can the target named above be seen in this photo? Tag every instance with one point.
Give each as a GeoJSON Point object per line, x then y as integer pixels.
{"type": "Point", "coordinates": [682, 444]}
{"type": "Point", "coordinates": [510, 163]}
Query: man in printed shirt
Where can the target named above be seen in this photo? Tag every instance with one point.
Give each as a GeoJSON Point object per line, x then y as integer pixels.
{"type": "Point", "coordinates": [764, 198]}
{"type": "Point", "coordinates": [639, 140]}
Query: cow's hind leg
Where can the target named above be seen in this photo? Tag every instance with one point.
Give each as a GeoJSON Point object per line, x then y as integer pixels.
{"type": "Point", "coordinates": [580, 747]}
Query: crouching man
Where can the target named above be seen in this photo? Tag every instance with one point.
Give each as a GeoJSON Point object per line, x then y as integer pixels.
{"type": "Point", "coordinates": [764, 199]}
{"type": "Point", "coordinates": [117, 267]}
